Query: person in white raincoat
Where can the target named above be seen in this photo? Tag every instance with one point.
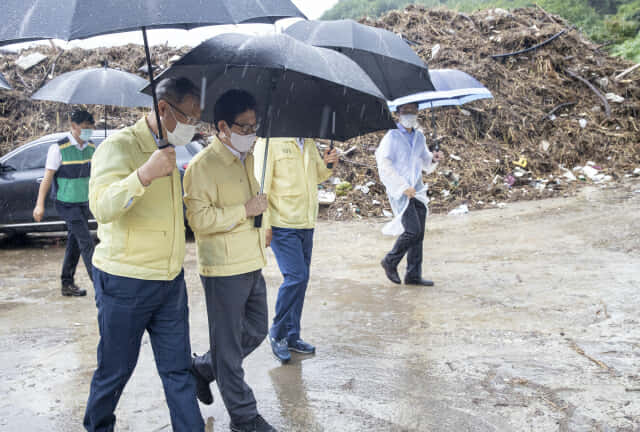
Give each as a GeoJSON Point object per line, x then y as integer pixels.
{"type": "Point", "coordinates": [401, 158]}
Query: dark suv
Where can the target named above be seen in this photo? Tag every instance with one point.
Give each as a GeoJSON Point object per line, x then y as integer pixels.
{"type": "Point", "coordinates": [22, 171]}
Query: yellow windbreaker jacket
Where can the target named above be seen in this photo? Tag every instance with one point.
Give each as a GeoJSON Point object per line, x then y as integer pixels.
{"type": "Point", "coordinates": [141, 230]}
{"type": "Point", "coordinates": [291, 181]}
{"type": "Point", "coordinates": [216, 187]}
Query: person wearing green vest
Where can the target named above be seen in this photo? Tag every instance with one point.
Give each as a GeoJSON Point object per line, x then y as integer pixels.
{"type": "Point", "coordinates": [68, 167]}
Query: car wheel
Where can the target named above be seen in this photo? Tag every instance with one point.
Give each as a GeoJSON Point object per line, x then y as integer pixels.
{"type": "Point", "coordinates": [15, 237]}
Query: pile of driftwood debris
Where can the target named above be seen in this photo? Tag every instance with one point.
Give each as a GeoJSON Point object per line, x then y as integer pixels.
{"type": "Point", "coordinates": [564, 112]}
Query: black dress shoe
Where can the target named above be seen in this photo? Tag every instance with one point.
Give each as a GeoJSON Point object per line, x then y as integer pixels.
{"type": "Point", "coordinates": [203, 390]}
{"type": "Point", "coordinates": [391, 272]}
{"type": "Point", "coordinates": [421, 282]}
{"type": "Point", "coordinates": [72, 290]}
{"type": "Point", "coordinates": [258, 424]}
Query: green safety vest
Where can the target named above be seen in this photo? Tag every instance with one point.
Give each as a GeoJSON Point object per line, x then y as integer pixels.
{"type": "Point", "coordinates": [72, 178]}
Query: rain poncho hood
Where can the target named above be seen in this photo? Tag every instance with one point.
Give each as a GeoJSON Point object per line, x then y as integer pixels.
{"type": "Point", "coordinates": [401, 159]}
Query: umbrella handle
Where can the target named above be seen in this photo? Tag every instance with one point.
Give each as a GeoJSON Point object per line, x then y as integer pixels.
{"type": "Point", "coordinates": [330, 164]}
{"type": "Point", "coordinates": [257, 220]}
{"type": "Point", "coordinates": [436, 144]}
{"type": "Point", "coordinates": [333, 133]}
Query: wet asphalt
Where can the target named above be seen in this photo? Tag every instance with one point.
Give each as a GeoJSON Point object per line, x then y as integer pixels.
{"type": "Point", "coordinates": [532, 326]}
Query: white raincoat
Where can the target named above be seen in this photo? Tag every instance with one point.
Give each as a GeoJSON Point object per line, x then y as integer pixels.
{"type": "Point", "coordinates": [401, 162]}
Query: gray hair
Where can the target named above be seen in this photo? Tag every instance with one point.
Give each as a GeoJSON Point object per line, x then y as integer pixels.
{"type": "Point", "coordinates": [175, 90]}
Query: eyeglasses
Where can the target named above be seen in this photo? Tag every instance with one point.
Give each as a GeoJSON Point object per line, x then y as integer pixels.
{"type": "Point", "coordinates": [408, 111]}
{"type": "Point", "coordinates": [247, 129]}
{"type": "Point", "coordinates": [190, 120]}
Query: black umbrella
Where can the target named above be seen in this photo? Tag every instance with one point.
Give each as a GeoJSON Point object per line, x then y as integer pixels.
{"type": "Point", "coordinates": [96, 86]}
{"type": "Point", "coordinates": [305, 91]}
{"type": "Point", "coordinates": [4, 84]}
{"type": "Point", "coordinates": [27, 20]}
{"type": "Point", "coordinates": [301, 86]}
{"type": "Point", "coordinates": [386, 57]}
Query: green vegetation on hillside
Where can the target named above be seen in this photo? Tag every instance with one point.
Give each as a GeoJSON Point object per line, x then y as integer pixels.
{"type": "Point", "coordinates": [615, 22]}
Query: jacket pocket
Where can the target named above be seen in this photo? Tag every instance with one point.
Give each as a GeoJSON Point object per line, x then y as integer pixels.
{"type": "Point", "coordinates": [211, 250]}
{"type": "Point", "coordinates": [242, 246]}
{"type": "Point", "coordinates": [287, 175]}
{"type": "Point", "coordinates": [118, 243]}
{"type": "Point", "coordinates": [292, 209]}
{"type": "Point", "coordinates": [148, 248]}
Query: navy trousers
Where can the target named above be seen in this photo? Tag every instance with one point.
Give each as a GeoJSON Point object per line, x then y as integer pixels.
{"type": "Point", "coordinates": [126, 308]}
{"type": "Point", "coordinates": [292, 248]}
{"type": "Point", "coordinates": [410, 241]}
{"type": "Point", "coordinates": [79, 240]}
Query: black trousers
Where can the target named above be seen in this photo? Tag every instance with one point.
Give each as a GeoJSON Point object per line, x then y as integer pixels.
{"type": "Point", "coordinates": [79, 240]}
{"type": "Point", "coordinates": [410, 241]}
{"type": "Point", "coordinates": [237, 312]}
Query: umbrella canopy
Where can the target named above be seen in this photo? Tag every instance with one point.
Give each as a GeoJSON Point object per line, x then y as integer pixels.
{"type": "Point", "coordinates": [26, 20]}
{"type": "Point", "coordinates": [304, 91]}
{"type": "Point", "coordinates": [4, 84]}
{"type": "Point", "coordinates": [97, 86]}
{"type": "Point", "coordinates": [452, 88]}
{"type": "Point", "coordinates": [390, 62]}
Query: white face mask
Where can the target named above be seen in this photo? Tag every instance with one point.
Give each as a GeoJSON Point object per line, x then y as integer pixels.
{"type": "Point", "coordinates": [409, 121]}
{"type": "Point", "coordinates": [86, 134]}
{"type": "Point", "coordinates": [182, 134]}
{"type": "Point", "coordinates": [242, 143]}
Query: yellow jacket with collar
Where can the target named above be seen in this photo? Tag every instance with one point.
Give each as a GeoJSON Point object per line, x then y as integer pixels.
{"type": "Point", "coordinates": [141, 230]}
{"type": "Point", "coordinates": [291, 181]}
{"type": "Point", "coordinates": [216, 187]}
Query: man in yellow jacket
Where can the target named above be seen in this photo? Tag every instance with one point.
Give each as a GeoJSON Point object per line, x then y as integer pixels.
{"type": "Point", "coordinates": [222, 199]}
{"type": "Point", "coordinates": [136, 196]}
{"type": "Point", "coordinates": [294, 170]}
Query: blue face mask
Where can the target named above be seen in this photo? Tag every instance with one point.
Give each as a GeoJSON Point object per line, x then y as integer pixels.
{"type": "Point", "coordinates": [86, 134]}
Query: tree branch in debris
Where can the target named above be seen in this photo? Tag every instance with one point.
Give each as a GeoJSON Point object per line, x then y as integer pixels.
{"type": "Point", "coordinates": [626, 72]}
{"type": "Point", "coordinates": [547, 14]}
{"type": "Point", "coordinates": [562, 105]}
{"type": "Point", "coordinates": [47, 71]}
{"type": "Point", "coordinates": [535, 47]}
{"type": "Point", "coordinates": [607, 108]}
{"type": "Point", "coordinates": [357, 163]}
